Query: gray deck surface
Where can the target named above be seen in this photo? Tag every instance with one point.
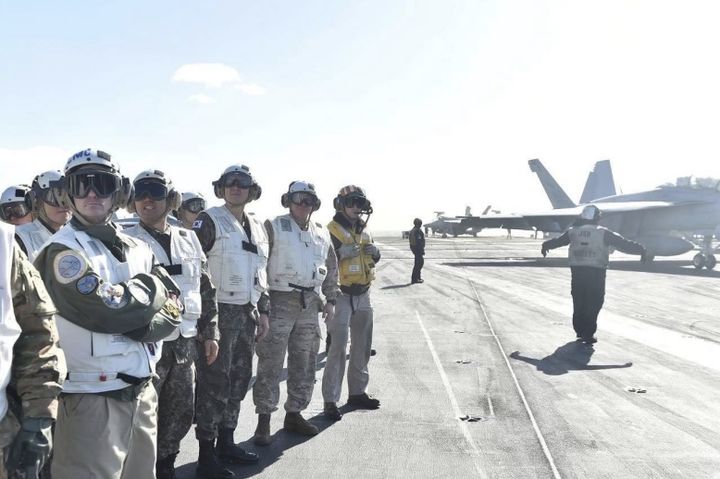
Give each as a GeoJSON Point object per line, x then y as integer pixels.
{"type": "Point", "coordinates": [488, 338]}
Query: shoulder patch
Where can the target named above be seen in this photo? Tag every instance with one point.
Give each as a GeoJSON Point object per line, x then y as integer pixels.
{"type": "Point", "coordinates": [113, 296]}
{"type": "Point", "coordinates": [87, 284]}
{"type": "Point", "coordinates": [69, 266]}
{"type": "Point", "coordinates": [197, 224]}
{"type": "Point", "coordinates": [285, 224]}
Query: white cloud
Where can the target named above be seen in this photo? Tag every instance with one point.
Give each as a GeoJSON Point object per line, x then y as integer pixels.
{"type": "Point", "coordinates": [201, 98]}
{"type": "Point", "coordinates": [215, 75]}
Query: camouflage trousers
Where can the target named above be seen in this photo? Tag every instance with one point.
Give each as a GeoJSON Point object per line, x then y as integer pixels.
{"type": "Point", "coordinates": [295, 330]}
{"type": "Point", "coordinates": [176, 398]}
{"type": "Point", "coordinates": [222, 386]}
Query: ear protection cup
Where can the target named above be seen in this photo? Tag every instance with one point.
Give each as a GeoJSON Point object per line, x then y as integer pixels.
{"type": "Point", "coordinates": [255, 192]}
{"type": "Point", "coordinates": [217, 189]}
{"type": "Point", "coordinates": [338, 203]}
{"type": "Point", "coordinates": [174, 200]}
{"type": "Point", "coordinates": [285, 201]}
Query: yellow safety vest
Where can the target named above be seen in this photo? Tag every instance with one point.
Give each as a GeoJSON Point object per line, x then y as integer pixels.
{"type": "Point", "coordinates": [360, 269]}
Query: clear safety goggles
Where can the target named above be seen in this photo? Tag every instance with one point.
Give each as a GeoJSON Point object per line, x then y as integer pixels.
{"type": "Point", "coordinates": [80, 184]}
{"type": "Point", "coordinates": [13, 210]}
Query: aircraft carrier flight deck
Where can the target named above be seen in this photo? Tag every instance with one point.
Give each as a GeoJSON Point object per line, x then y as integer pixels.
{"type": "Point", "coordinates": [480, 375]}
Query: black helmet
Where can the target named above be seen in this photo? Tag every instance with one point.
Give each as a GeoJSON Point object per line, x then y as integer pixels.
{"type": "Point", "coordinates": [417, 222]}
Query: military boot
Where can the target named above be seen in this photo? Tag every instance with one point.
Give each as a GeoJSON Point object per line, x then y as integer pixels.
{"type": "Point", "coordinates": [262, 432]}
{"type": "Point", "coordinates": [208, 465]}
{"type": "Point", "coordinates": [294, 422]}
{"type": "Point", "coordinates": [165, 467]}
{"type": "Point", "coordinates": [231, 453]}
{"type": "Point", "coordinates": [331, 411]}
{"type": "Point", "coordinates": [363, 401]}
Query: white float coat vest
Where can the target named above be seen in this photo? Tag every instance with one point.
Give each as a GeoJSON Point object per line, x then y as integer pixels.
{"type": "Point", "coordinates": [34, 235]}
{"type": "Point", "coordinates": [239, 275]}
{"type": "Point", "coordinates": [587, 246]}
{"type": "Point", "coordinates": [9, 328]}
{"type": "Point", "coordinates": [185, 252]}
{"type": "Point", "coordinates": [94, 359]}
{"type": "Point", "coordinates": [298, 257]}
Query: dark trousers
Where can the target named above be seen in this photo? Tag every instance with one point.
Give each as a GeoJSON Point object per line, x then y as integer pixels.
{"type": "Point", "coordinates": [419, 262]}
{"type": "Point", "coordinates": [588, 294]}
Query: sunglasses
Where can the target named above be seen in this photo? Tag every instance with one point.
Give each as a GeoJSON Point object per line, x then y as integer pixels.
{"type": "Point", "coordinates": [103, 184]}
{"type": "Point", "coordinates": [301, 198]}
{"type": "Point", "coordinates": [241, 181]}
{"type": "Point", "coordinates": [13, 210]}
{"type": "Point", "coordinates": [195, 205]}
{"type": "Point", "coordinates": [150, 189]}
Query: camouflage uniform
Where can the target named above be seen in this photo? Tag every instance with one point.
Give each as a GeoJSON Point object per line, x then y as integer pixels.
{"type": "Point", "coordinates": [175, 370]}
{"type": "Point", "coordinates": [295, 329]}
{"type": "Point", "coordinates": [38, 366]}
{"type": "Point", "coordinates": [176, 375]}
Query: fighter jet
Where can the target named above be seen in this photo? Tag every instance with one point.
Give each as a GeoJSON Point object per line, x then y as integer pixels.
{"type": "Point", "coordinates": [445, 225]}
{"type": "Point", "coordinates": [654, 218]}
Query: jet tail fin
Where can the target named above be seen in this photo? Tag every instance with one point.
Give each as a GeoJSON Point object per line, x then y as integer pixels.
{"type": "Point", "coordinates": [600, 183]}
{"type": "Point", "coordinates": [486, 210]}
{"type": "Point", "coordinates": [558, 198]}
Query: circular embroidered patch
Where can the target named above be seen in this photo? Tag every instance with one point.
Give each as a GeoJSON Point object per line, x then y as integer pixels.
{"type": "Point", "coordinates": [87, 284]}
{"type": "Point", "coordinates": [69, 266]}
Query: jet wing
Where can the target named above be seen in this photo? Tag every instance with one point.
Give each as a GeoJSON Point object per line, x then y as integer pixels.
{"type": "Point", "coordinates": [560, 219]}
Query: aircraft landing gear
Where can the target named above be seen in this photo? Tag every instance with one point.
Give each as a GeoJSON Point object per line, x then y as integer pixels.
{"type": "Point", "coordinates": [701, 261]}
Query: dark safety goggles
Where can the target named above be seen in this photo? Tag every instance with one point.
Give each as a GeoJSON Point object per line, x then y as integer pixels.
{"type": "Point", "coordinates": [80, 185]}
{"type": "Point", "coordinates": [50, 196]}
{"type": "Point", "coordinates": [302, 198]}
{"type": "Point", "coordinates": [13, 210]}
{"type": "Point", "coordinates": [195, 205]}
{"type": "Point", "coordinates": [241, 181]}
{"type": "Point", "coordinates": [150, 189]}
{"type": "Point", "coordinates": [357, 202]}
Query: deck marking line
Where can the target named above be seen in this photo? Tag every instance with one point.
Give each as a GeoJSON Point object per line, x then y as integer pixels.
{"type": "Point", "coordinates": [543, 444]}
{"type": "Point", "coordinates": [451, 395]}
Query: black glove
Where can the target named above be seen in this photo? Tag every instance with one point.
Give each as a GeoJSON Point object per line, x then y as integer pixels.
{"type": "Point", "coordinates": [544, 251]}
{"type": "Point", "coordinates": [31, 447]}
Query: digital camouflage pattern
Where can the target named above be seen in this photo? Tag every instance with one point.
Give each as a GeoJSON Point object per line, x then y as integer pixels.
{"type": "Point", "coordinates": [223, 384]}
{"type": "Point", "coordinates": [174, 385]}
{"type": "Point", "coordinates": [295, 330]}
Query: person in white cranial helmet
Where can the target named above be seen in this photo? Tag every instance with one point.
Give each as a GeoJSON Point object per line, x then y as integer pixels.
{"type": "Point", "coordinates": [588, 256]}
{"type": "Point", "coordinates": [180, 253]}
{"type": "Point", "coordinates": [49, 215]}
{"type": "Point", "coordinates": [15, 205]}
{"type": "Point", "coordinates": [236, 245]}
{"type": "Point", "coordinates": [115, 306]}
{"type": "Point", "coordinates": [302, 274]}
{"type": "Point", "coordinates": [191, 206]}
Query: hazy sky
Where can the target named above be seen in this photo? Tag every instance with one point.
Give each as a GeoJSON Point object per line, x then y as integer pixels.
{"type": "Point", "coordinates": [427, 104]}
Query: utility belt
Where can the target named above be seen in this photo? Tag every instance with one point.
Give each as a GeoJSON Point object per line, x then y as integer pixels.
{"type": "Point", "coordinates": [302, 290]}
{"type": "Point", "coordinates": [355, 289]}
{"type": "Point", "coordinates": [102, 377]}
